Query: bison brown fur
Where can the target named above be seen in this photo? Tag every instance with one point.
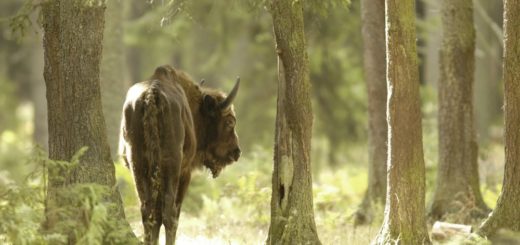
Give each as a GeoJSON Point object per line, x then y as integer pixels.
{"type": "Point", "coordinates": [171, 126]}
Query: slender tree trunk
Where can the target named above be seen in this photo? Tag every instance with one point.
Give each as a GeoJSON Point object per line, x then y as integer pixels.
{"type": "Point", "coordinates": [134, 56]}
{"type": "Point", "coordinates": [292, 215]}
{"type": "Point", "coordinates": [114, 82]}
{"type": "Point", "coordinates": [506, 213]}
{"type": "Point", "coordinates": [405, 208]}
{"type": "Point", "coordinates": [488, 97]}
{"type": "Point", "coordinates": [458, 186]}
{"type": "Point", "coordinates": [73, 34]}
{"type": "Point", "coordinates": [373, 17]}
{"type": "Point", "coordinates": [433, 40]}
{"type": "Point", "coordinates": [420, 15]}
{"type": "Point", "coordinates": [40, 135]}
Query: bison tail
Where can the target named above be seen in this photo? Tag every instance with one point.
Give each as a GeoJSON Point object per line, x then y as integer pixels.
{"type": "Point", "coordinates": [152, 143]}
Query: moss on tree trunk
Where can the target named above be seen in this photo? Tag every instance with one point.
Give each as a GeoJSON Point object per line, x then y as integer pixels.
{"type": "Point", "coordinates": [405, 220]}
{"type": "Point", "coordinates": [292, 215]}
{"type": "Point", "coordinates": [507, 212]}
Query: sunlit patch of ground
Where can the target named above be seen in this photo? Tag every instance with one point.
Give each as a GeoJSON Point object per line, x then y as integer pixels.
{"type": "Point", "coordinates": [193, 231]}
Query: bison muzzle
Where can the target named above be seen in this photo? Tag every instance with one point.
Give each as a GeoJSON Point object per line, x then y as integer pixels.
{"type": "Point", "coordinates": [171, 126]}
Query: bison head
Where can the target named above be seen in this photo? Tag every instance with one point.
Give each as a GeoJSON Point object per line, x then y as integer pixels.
{"type": "Point", "coordinates": [221, 140]}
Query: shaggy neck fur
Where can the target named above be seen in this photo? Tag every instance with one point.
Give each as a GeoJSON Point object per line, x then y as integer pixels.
{"type": "Point", "coordinates": [194, 94]}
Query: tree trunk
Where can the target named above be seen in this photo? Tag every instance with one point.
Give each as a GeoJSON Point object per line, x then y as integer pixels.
{"type": "Point", "coordinates": [433, 40]}
{"type": "Point", "coordinates": [420, 15]}
{"type": "Point", "coordinates": [506, 213]}
{"type": "Point", "coordinates": [292, 215]}
{"type": "Point", "coordinates": [114, 82]}
{"type": "Point", "coordinates": [40, 134]}
{"type": "Point", "coordinates": [458, 186]}
{"type": "Point", "coordinates": [405, 208]}
{"type": "Point", "coordinates": [134, 52]}
{"type": "Point", "coordinates": [488, 97]}
{"type": "Point", "coordinates": [373, 16]}
{"type": "Point", "coordinates": [73, 34]}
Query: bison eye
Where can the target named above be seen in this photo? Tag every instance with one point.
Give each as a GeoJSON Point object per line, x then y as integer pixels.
{"type": "Point", "coordinates": [230, 124]}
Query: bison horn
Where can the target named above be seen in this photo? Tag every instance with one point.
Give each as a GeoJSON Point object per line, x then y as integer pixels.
{"type": "Point", "coordinates": [229, 99]}
{"type": "Point", "coordinates": [202, 82]}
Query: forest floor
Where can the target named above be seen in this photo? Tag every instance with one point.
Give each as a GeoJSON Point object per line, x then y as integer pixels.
{"type": "Point", "coordinates": [235, 208]}
{"type": "Point", "coordinates": [194, 231]}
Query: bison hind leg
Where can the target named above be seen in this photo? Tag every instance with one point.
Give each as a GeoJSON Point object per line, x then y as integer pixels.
{"type": "Point", "coordinates": [171, 188]}
{"type": "Point", "coordinates": [169, 211]}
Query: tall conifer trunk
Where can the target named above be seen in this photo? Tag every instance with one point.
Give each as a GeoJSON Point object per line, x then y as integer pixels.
{"type": "Point", "coordinates": [114, 82]}
{"type": "Point", "coordinates": [373, 17]}
{"type": "Point", "coordinates": [507, 212]}
{"type": "Point", "coordinates": [405, 219]}
{"type": "Point", "coordinates": [457, 178]}
{"type": "Point", "coordinates": [292, 215]}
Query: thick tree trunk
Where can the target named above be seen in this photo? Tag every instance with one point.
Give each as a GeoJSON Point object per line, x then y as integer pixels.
{"type": "Point", "coordinates": [73, 34]}
{"type": "Point", "coordinates": [506, 213]}
{"type": "Point", "coordinates": [457, 178]}
{"type": "Point", "coordinates": [405, 208]}
{"type": "Point", "coordinates": [373, 16]}
{"type": "Point", "coordinates": [292, 215]}
{"type": "Point", "coordinates": [114, 82]}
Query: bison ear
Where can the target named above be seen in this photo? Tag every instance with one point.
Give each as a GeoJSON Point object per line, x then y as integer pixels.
{"type": "Point", "coordinates": [209, 105]}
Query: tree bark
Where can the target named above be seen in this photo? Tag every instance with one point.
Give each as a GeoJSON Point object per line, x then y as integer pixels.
{"type": "Point", "coordinates": [404, 220]}
{"type": "Point", "coordinates": [292, 215]}
{"type": "Point", "coordinates": [114, 82]}
{"type": "Point", "coordinates": [457, 177]}
{"type": "Point", "coordinates": [73, 34]}
{"type": "Point", "coordinates": [506, 213]}
{"type": "Point", "coordinates": [373, 18]}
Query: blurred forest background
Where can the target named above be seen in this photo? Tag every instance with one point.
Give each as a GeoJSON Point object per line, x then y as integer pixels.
{"type": "Point", "coordinates": [217, 41]}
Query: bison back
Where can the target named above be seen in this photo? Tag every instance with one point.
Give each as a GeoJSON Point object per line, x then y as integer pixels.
{"type": "Point", "coordinates": [155, 131]}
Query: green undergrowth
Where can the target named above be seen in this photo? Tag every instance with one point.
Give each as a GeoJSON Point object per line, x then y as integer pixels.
{"type": "Point", "coordinates": [84, 215]}
{"type": "Point", "coordinates": [231, 209]}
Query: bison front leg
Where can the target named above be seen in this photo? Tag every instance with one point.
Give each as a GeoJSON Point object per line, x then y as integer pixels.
{"type": "Point", "coordinates": [183, 188]}
{"type": "Point", "coordinates": [181, 191]}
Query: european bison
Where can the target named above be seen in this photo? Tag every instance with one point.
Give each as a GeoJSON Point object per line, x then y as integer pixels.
{"type": "Point", "coordinates": [171, 126]}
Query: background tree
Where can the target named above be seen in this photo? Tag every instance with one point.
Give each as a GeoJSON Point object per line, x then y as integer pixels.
{"type": "Point", "coordinates": [457, 177]}
{"type": "Point", "coordinates": [507, 214]}
{"type": "Point", "coordinates": [405, 211]}
{"type": "Point", "coordinates": [292, 214]}
{"type": "Point", "coordinates": [114, 82]}
{"type": "Point", "coordinates": [488, 97]}
{"type": "Point", "coordinates": [373, 18]}
{"type": "Point", "coordinates": [73, 34]}
{"type": "Point", "coordinates": [336, 56]}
